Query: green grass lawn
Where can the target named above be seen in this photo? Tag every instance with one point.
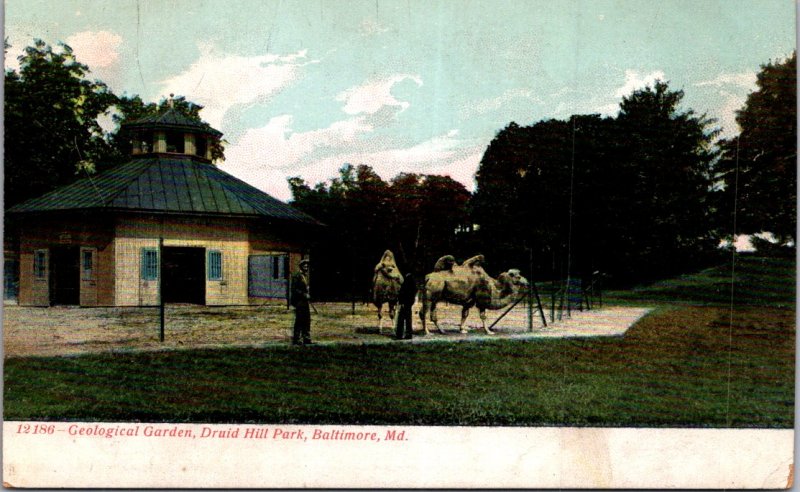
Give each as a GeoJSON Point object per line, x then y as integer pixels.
{"type": "Point", "coordinates": [686, 364]}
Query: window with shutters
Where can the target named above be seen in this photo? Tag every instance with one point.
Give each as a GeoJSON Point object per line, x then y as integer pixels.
{"type": "Point", "coordinates": [149, 264]}
{"type": "Point", "coordinates": [214, 265]}
{"type": "Point", "coordinates": [87, 264]}
{"type": "Point", "coordinates": [40, 264]}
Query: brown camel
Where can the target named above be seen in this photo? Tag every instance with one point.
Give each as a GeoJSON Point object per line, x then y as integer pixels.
{"type": "Point", "coordinates": [468, 285]}
{"type": "Point", "coordinates": [386, 285]}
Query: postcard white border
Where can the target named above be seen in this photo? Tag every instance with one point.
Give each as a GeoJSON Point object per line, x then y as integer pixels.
{"type": "Point", "coordinates": [424, 457]}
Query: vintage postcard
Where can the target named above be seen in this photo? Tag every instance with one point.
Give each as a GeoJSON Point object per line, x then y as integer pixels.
{"type": "Point", "coordinates": [394, 243]}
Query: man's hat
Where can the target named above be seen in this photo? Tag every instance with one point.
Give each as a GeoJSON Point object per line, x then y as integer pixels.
{"type": "Point", "coordinates": [304, 261]}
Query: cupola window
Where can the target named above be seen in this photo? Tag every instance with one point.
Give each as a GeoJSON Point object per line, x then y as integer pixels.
{"type": "Point", "coordinates": [200, 145]}
{"type": "Point", "coordinates": [175, 143]}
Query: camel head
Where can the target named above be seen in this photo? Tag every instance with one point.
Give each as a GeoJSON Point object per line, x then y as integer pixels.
{"type": "Point", "coordinates": [513, 280]}
{"type": "Point", "coordinates": [389, 270]}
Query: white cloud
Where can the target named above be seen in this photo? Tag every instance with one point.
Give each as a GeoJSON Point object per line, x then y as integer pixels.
{"type": "Point", "coordinates": [501, 101]}
{"type": "Point", "coordinates": [265, 157]}
{"type": "Point", "coordinates": [439, 148]}
{"type": "Point", "coordinates": [222, 81]}
{"type": "Point", "coordinates": [276, 146]}
{"type": "Point", "coordinates": [372, 96]}
{"type": "Point", "coordinates": [726, 114]}
{"type": "Point", "coordinates": [746, 80]}
{"type": "Point", "coordinates": [729, 91]}
{"type": "Point", "coordinates": [443, 154]}
{"type": "Point", "coordinates": [462, 166]}
{"type": "Point", "coordinates": [635, 81]}
{"type": "Point", "coordinates": [97, 49]}
{"type": "Point", "coordinates": [604, 104]}
{"type": "Point", "coordinates": [106, 120]}
{"type": "Point", "coordinates": [611, 109]}
{"type": "Point", "coordinates": [11, 60]}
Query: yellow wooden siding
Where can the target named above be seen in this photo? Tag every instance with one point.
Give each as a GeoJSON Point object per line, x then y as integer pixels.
{"type": "Point", "coordinates": [45, 234]}
{"type": "Point", "coordinates": [228, 236]}
{"type": "Point", "coordinates": [118, 248]}
{"type": "Point", "coordinates": [129, 288]}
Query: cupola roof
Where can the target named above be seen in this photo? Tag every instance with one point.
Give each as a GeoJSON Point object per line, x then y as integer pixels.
{"type": "Point", "coordinates": [172, 119]}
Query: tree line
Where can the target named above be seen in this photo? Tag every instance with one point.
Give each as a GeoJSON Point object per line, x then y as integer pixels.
{"type": "Point", "coordinates": [419, 217]}
{"type": "Point", "coordinates": [645, 194]}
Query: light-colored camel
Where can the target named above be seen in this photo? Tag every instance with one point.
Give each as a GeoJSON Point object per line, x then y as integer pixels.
{"type": "Point", "coordinates": [386, 286]}
{"type": "Point", "coordinates": [468, 285]}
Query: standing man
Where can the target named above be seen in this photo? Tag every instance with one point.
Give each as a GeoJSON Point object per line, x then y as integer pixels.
{"type": "Point", "coordinates": [406, 296]}
{"type": "Point", "coordinates": [300, 300]}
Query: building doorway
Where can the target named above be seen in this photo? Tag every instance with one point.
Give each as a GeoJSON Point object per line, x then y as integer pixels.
{"type": "Point", "coordinates": [183, 275]}
{"type": "Point", "coordinates": [10, 277]}
{"type": "Point", "coordinates": [65, 285]}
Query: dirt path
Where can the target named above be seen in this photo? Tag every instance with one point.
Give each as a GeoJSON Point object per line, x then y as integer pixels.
{"type": "Point", "coordinates": [61, 331]}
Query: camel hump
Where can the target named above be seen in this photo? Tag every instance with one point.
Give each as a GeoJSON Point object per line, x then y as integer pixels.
{"type": "Point", "coordinates": [477, 260]}
{"type": "Point", "coordinates": [444, 263]}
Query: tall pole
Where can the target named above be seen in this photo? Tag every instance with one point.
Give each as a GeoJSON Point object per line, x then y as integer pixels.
{"type": "Point", "coordinates": [530, 291]}
{"type": "Point", "coordinates": [287, 275]}
{"type": "Point", "coordinates": [352, 284]}
{"type": "Point", "coordinates": [160, 287]}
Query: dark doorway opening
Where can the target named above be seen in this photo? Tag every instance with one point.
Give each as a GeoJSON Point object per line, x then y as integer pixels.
{"type": "Point", "coordinates": [65, 285]}
{"type": "Point", "coordinates": [10, 279]}
{"type": "Point", "coordinates": [183, 271]}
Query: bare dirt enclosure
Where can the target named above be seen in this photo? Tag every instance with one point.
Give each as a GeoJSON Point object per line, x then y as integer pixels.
{"type": "Point", "coordinates": [70, 331]}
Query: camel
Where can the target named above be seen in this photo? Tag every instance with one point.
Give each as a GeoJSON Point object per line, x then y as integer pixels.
{"type": "Point", "coordinates": [386, 285]}
{"type": "Point", "coordinates": [468, 285]}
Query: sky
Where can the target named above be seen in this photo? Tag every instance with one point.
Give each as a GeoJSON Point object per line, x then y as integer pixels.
{"type": "Point", "coordinates": [299, 88]}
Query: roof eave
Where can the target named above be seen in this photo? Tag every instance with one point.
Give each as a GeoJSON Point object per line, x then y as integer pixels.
{"type": "Point", "coordinates": [310, 222]}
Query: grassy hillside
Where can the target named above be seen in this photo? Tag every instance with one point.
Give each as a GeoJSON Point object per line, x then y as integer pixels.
{"type": "Point", "coordinates": [695, 362]}
{"type": "Point", "coordinates": [755, 282]}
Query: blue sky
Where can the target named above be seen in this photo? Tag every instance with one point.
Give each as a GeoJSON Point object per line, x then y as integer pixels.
{"type": "Point", "coordinates": [301, 87]}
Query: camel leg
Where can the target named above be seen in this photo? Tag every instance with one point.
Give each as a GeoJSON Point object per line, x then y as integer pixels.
{"type": "Point", "coordinates": [392, 317]}
{"type": "Point", "coordinates": [435, 318]}
{"type": "Point", "coordinates": [483, 322]}
{"type": "Point", "coordinates": [464, 314]}
{"type": "Point", "coordinates": [422, 310]}
{"type": "Point", "coordinates": [380, 318]}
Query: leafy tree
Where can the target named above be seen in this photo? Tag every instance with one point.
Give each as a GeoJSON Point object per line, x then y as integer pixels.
{"type": "Point", "coordinates": [416, 216]}
{"type": "Point", "coordinates": [668, 157]}
{"type": "Point", "coordinates": [765, 153]}
{"type": "Point", "coordinates": [427, 213]}
{"type": "Point", "coordinates": [627, 195]}
{"type": "Point", "coordinates": [51, 130]}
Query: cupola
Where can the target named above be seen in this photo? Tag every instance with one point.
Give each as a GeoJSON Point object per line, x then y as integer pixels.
{"type": "Point", "coordinates": [173, 133]}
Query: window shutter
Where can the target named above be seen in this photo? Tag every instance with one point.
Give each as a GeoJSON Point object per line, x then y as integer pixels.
{"type": "Point", "coordinates": [149, 267]}
{"type": "Point", "coordinates": [214, 265]}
